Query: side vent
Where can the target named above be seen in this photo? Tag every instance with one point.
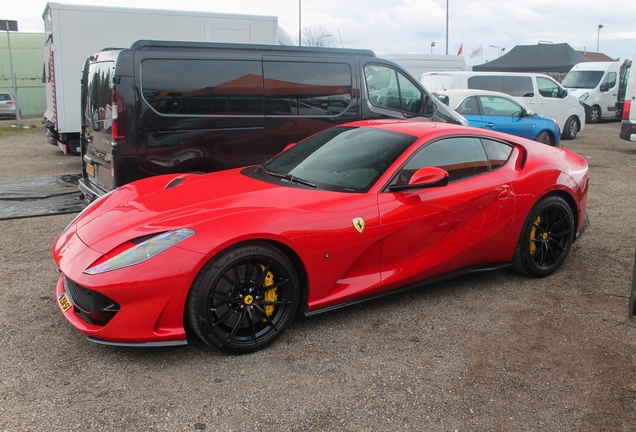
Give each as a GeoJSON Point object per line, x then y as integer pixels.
{"type": "Point", "coordinates": [175, 182]}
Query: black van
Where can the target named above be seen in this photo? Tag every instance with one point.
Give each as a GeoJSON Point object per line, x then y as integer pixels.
{"type": "Point", "coordinates": [163, 107]}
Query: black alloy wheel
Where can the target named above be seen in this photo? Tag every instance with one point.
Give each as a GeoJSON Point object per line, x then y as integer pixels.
{"type": "Point", "coordinates": [546, 238]}
{"type": "Point", "coordinates": [545, 137]}
{"type": "Point", "coordinates": [244, 298]}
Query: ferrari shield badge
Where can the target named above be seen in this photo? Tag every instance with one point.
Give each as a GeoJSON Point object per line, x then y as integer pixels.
{"type": "Point", "coordinates": [358, 224]}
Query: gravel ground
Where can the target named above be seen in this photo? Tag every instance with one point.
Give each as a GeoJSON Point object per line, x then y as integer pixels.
{"type": "Point", "coordinates": [495, 351]}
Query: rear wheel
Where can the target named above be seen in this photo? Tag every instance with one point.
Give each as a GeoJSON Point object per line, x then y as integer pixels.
{"type": "Point", "coordinates": [545, 239]}
{"type": "Point", "coordinates": [545, 137]}
{"type": "Point", "coordinates": [244, 298]}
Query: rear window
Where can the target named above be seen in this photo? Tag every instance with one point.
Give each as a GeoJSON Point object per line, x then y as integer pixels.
{"type": "Point", "coordinates": [98, 109]}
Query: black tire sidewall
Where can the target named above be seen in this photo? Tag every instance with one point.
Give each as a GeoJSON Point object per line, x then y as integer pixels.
{"type": "Point", "coordinates": [570, 124]}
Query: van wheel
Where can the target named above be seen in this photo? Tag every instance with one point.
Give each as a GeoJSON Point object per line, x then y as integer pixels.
{"type": "Point", "coordinates": [571, 128]}
{"type": "Point", "coordinates": [594, 115]}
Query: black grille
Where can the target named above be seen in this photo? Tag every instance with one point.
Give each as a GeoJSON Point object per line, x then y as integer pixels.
{"type": "Point", "coordinates": [79, 296]}
{"type": "Point", "coordinates": [91, 306]}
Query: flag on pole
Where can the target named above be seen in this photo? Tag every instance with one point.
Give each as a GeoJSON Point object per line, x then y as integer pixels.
{"type": "Point", "coordinates": [461, 49]}
{"type": "Point", "coordinates": [476, 52]}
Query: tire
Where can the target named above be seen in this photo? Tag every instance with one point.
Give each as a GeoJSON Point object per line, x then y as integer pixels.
{"type": "Point", "coordinates": [74, 147]}
{"type": "Point", "coordinates": [571, 128]}
{"type": "Point", "coordinates": [546, 238]}
{"type": "Point", "coordinates": [593, 115]}
{"type": "Point", "coordinates": [244, 298]}
{"type": "Point", "coordinates": [545, 137]}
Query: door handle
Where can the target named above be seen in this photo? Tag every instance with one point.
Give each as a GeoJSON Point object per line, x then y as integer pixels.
{"type": "Point", "coordinates": [490, 125]}
{"type": "Point", "coordinates": [505, 193]}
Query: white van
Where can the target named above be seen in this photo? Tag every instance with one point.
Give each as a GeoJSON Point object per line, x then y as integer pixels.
{"type": "Point", "coordinates": [417, 64]}
{"type": "Point", "coordinates": [596, 86]}
{"type": "Point", "coordinates": [628, 125]}
{"type": "Point", "coordinates": [539, 92]}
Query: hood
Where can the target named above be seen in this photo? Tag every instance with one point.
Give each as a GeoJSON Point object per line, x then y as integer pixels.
{"type": "Point", "coordinates": [168, 202]}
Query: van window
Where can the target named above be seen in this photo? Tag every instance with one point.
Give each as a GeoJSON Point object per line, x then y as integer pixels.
{"type": "Point", "coordinates": [549, 88]}
{"type": "Point", "coordinates": [203, 87]}
{"type": "Point", "coordinates": [582, 79]}
{"type": "Point", "coordinates": [388, 88]}
{"type": "Point", "coordinates": [307, 89]}
{"type": "Point", "coordinates": [518, 86]}
{"type": "Point", "coordinates": [98, 112]}
{"type": "Point", "coordinates": [609, 81]}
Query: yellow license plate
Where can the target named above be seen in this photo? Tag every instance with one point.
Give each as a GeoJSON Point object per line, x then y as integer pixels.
{"type": "Point", "coordinates": [90, 169]}
{"type": "Point", "coordinates": [64, 302]}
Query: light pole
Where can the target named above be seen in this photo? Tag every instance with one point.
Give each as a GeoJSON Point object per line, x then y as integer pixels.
{"type": "Point", "coordinates": [432, 45]}
{"type": "Point", "coordinates": [300, 27]}
{"type": "Point", "coordinates": [598, 36]}
{"type": "Point", "coordinates": [446, 27]}
{"type": "Point", "coordinates": [498, 49]}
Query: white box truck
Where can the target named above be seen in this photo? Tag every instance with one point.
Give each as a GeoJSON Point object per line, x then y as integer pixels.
{"type": "Point", "coordinates": [75, 32]}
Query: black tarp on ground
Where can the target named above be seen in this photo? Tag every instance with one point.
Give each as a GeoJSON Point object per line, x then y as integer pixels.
{"type": "Point", "coordinates": [39, 196]}
{"type": "Point", "coordinates": [535, 58]}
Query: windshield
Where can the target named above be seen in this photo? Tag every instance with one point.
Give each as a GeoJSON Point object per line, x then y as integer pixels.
{"type": "Point", "coordinates": [582, 79]}
{"type": "Point", "coordinates": [348, 159]}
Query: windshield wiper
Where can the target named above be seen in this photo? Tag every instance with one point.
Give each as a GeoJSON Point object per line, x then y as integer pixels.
{"type": "Point", "coordinates": [287, 177]}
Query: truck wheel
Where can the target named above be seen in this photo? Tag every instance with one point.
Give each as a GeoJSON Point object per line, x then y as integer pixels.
{"type": "Point", "coordinates": [74, 147]}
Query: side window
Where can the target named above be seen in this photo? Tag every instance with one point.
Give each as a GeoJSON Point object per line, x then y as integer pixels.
{"type": "Point", "coordinates": [609, 82]}
{"type": "Point", "coordinates": [388, 88]}
{"type": "Point", "coordinates": [518, 86]}
{"type": "Point", "coordinates": [499, 106]}
{"type": "Point", "coordinates": [307, 89]}
{"type": "Point", "coordinates": [547, 87]}
{"type": "Point", "coordinates": [497, 152]}
{"type": "Point", "coordinates": [461, 157]}
{"type": "Point", "coordinates": [468, 106]}
{"type": "Point", "coordinates": [493, 83]}
{"type": "Point", "coordinates": [98, 108]}
{"type": "Point", "coordinates": [203, 87]}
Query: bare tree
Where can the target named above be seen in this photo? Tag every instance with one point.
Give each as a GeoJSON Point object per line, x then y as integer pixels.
{"type": "Point", "coordinates": [317, 36]}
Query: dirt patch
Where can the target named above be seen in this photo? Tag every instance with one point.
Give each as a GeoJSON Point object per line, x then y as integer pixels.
{"type": "Point", "coordinates": [495, 351]}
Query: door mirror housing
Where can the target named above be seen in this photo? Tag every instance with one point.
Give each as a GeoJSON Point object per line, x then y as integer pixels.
{"type": "Point", "coordinates": [423, 178]}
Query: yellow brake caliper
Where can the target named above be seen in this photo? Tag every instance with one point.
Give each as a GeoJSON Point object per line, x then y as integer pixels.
{"type": "Point", "coordinates": [533, 234]}
{"type": "Point", "coordinates": [269, 295]}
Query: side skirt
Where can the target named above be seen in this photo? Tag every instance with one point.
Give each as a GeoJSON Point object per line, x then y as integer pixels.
{"type": "Point", "coordinates": [431, 281]}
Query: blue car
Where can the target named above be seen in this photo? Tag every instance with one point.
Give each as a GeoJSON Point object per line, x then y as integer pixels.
{"type": "Point", "coordinates": [500, 112]}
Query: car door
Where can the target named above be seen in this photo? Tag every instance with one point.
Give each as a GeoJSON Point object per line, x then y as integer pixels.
{"type": "Point", "coordinates": [609, 92]}
{"type": "Point", "coordinates": [552, 100]}
{"type": "Point", "coordinates": [433, 231]}
{"type": "Point", "coordinates": [505, 115]}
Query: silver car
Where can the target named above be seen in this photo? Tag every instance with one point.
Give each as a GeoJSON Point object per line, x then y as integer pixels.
{"type": "Point", "coordinates": [7, 105]}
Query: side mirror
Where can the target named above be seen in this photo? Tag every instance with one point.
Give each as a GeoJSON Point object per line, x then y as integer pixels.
{"type": "Point", "coordinates": [423, 178]}
{"type": "Point", "coordinates": [429, 105]}
{"type": "Point", "coordinates": [429, 176]}
{"type": "Point", "coordinates": [604, 87]}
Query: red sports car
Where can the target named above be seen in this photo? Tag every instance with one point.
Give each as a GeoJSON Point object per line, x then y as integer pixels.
{"type": "Point", "coordinates": [352, 213]}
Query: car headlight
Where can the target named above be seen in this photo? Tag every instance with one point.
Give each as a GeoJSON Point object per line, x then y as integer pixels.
{"type": "Point", "coordinates": [143, 251]}
{"type": "Point", "coordinates": [584, 97]}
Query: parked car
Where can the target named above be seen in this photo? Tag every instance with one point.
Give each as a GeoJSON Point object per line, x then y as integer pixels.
{"type": "Point", "coordinates": [596, 86]}
{"type": "Point", "coordinates": [7, 106]}
{"type": "Point", "coordinates": [354, 212]}
{"type": "Point", "coordinates": [540, 92]}
{"type": "Point", "coordinates": [503, 113]}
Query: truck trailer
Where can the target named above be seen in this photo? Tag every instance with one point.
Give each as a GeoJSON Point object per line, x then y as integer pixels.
{"type": "Point", "coordinates": [75, 32]}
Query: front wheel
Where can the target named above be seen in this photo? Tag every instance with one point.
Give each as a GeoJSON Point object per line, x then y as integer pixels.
{"type": "Point", "coordinates": [545, 137]}
{"type": "Point", "coordinates": [244, 298]}
{"type": "Point", "coordinates": [571, 128]}
{"type": "Point", "coordinates": [594, 115]}
{"type": "Point", "coordinates": [545, 239]}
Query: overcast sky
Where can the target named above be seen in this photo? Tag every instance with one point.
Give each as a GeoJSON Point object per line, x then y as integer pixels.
{"type": "Point", "coordinates": [409, 26]}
